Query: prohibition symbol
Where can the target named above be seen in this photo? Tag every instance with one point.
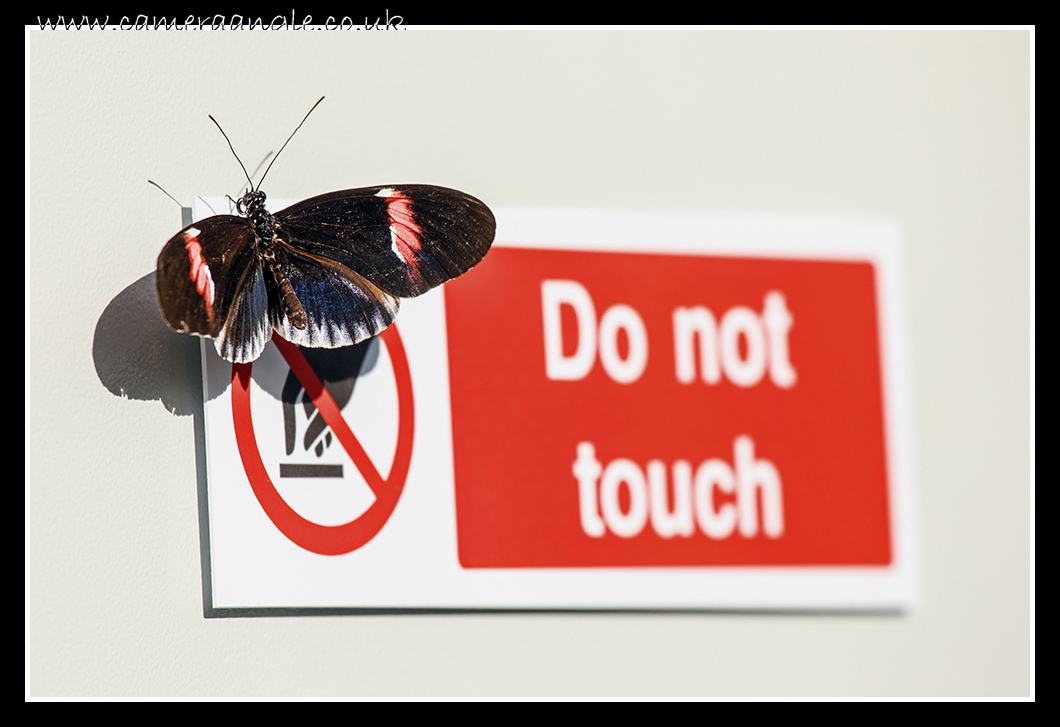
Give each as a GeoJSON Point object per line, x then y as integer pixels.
{"type": "Point", "coordinates": [316, 538]}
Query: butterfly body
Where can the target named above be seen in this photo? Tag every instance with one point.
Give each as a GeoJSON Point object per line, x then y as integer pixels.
{"type": "Point", "coordinates": [325, 272]}
{"type": "Point", "coordinates": [270, 248]}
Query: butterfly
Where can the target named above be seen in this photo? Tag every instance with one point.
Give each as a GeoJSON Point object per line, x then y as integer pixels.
{"type": "Point", "coordinates": [324, 273]}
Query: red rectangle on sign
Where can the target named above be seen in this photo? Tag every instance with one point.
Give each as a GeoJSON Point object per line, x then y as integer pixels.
{"type": "Point", "coordinates": [618, 409]}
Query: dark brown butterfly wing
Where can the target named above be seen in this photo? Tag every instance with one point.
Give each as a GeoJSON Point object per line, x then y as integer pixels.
{"type": "Point", "coordinates": [405, 238]}
{"type": "Point", "coordinates": [210, 283]}
{"type": "Point", "coordinates": [342, 308]}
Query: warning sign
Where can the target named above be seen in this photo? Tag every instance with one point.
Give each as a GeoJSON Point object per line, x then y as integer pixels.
{"type": "Point", "coordinates": [315, 537]}
{"type": "Point", "coordinates": [667, 410]}
{"type": "Point", "coordinates": [610, 411]}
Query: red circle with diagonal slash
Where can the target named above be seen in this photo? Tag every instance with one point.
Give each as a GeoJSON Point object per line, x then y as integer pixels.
{"type": "Point", "coordinates": [328, 539]}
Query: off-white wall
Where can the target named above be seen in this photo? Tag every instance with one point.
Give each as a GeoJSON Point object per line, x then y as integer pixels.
{"type": "Point", "coordinates": [931, 128]}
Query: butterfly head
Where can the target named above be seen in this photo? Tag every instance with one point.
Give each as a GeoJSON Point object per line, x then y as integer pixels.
{"type": "Point", "coordinates": [252, 203]}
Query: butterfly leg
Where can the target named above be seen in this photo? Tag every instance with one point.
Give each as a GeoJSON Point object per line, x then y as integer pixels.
{"type": "Point", "coordinates": [293, 306]}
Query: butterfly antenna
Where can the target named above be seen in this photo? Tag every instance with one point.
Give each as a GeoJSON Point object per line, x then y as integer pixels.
{"type": "Point", "coordinates": [165, 193]}
{"type": "Point", "coordinates": [285, 143]}
{"type": "Point", "coordinates": [233, 151]}
{"type": "Point", "coordinates": [208, 204]}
